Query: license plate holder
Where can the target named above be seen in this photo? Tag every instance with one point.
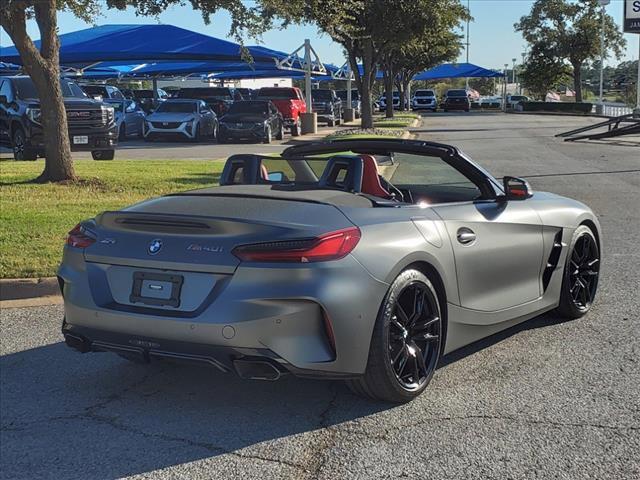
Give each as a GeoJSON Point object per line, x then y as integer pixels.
{"type": "Point", "coordinates": [156, 289]}
{"type": "Point", "coordinates": [80, 140]}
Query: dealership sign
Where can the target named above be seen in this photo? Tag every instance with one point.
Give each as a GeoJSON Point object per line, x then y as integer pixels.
{"type": "Point", "coordinates": [632, 16]}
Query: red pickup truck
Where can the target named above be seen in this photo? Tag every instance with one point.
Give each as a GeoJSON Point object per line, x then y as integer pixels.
{"type": "Point", "coordinates": [290, 103]}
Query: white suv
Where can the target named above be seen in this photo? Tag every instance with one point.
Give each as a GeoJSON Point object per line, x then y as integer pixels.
{"type": "Point", "coordinates": [424, 99]}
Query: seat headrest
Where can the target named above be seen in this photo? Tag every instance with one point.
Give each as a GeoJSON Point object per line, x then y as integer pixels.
{"type": "Point", "coordinates": [343, 172]}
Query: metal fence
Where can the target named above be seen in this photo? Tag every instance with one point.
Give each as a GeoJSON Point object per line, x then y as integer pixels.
{"type": "Point", "coordinates": [612, 109]}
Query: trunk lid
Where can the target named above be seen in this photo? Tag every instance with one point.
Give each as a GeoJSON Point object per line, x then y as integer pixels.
{"type": "Point", "coordinates": [198, 232]}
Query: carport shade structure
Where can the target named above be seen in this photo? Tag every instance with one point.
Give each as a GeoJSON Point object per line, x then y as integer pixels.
{"type": "Point", "coordinates": [129, 44]}
{"type": "Point", "coordinates": [457, 70]}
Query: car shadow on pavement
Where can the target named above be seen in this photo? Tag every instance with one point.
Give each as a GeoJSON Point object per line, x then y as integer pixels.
{"type": "Point", "coordinates": [68, 415]}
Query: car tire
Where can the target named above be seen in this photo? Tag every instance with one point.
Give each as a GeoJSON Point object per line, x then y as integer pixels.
{"type": "Point", "coordinates": [196, 136]}
{"type": "Point", "coordinates": [268, 137]}
{"type": "Point", "coordinates": [394, 372]}
{"type": "Point", "coordinates": [296, 128]}
{"type": "Point", "coordinates": [122, 132]}
{"type": "Point", "coordinates": [221, 138]}
{"type": "Point", "coordinates": [103, 154]}
{"type": "Point", "coordinates": [580, 276]}
{"type": "Point", "coordinates": [280, 134]}
{"type": "Point", "coordinates": [20, 152]}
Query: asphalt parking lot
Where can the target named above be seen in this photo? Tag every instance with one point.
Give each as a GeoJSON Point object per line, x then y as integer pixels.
{"type": "Point", "coordinates": [546, 399]}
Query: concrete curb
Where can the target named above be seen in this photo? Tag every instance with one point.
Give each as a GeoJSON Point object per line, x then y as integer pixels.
{"type": "Point", "coordinates": [22, 288]}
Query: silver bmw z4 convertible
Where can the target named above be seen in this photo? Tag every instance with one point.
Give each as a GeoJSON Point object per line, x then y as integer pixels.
{"type": "Point", "coordinates": [363, 260]}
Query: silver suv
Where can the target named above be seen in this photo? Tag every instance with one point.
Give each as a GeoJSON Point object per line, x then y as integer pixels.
{"type": "Point", "coordinates": [181, 119]}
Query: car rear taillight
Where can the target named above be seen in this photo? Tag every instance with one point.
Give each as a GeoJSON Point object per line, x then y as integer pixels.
{"type": "Point", "coordinates": [329, 246]}
{"type": "Point", "coordinates": [80, 237]}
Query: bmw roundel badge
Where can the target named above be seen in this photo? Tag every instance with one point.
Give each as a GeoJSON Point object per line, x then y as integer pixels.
{"type": "Point", "coordinates": [155, 246]}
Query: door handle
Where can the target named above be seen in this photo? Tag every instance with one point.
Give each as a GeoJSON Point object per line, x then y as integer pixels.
{"type": "Point", "coordinates": [466, 236]}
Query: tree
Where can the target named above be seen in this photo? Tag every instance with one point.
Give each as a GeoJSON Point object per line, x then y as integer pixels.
{"type": "Point", "coordinates": [43, 64]}
{"type": "Point", "coordinates": [542, 72]}
{"type": "Point", "coordinates": [44, 68]}
{"type": "Point", "coordinates": [436, 44]}
{"type": "Point", "coordinates": [366, 29]}
{"type": "Point", "coordinates": [569, 31]}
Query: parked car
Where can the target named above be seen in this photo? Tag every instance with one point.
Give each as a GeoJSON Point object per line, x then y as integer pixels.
{"type": "Point", "coordinates": [251, 119]}
{"type": "Point", "coordinates": [382, 101]}
{"type": "Point", "coordinates": [327, 106]}
{"type": "Point", "coordinates": [102, 92]}
{"type": "Point", "coordinates": [218, 98]}
{"type": "Point", "coordinates": [181, 119]}
{"type": "Point", "coordinates": [513, 100]}
{"type": "Point", "coordinates": [327, 270]}
{"type": "Point", "coordinates": [129, 118]}
{"type": "Point", "coordinates": [456, 99]}
{"type": "Point", "coordinates": [356, 105]}
{"type": "Point", "coordinates": [290, 103]}
{"type": "Point", "coordinates": [147, 100]}
{"type": "Point", "coordinates": [247, 93]}
{"type": "Point", "coordinates": [172, 91]}
{"type": "Point", "coordinates": [424, 99]}
{"type": "Point", "coordinates": [490, 101]}
{"type": "Point", "coordinates": [91, 123]}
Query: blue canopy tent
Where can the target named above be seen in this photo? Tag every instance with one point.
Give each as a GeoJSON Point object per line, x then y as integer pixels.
{"type": "Point", "coordinates": [143, 43]}
{"type": "Point", "coordinates": [456, 70]}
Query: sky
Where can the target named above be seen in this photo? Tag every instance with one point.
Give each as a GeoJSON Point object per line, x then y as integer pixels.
{"type": "Point", "coordinates": [492, 37]}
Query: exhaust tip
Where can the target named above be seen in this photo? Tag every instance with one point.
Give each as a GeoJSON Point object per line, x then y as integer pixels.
{"type": "Point", "coordinates": [77, 343]}
{"type": "Point", "coordinates": [257, 370]}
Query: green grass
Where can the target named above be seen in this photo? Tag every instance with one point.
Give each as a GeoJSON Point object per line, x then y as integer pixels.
{"type": "Point", "coordinates": [34, 219]}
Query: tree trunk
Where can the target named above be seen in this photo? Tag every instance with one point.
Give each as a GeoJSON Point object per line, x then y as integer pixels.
{"type": "Point", "coordinates": [388, 86]}
{"type": "Point", "coordinates": [44, 69]}
{"type": "Point", "coordinates": [368, 75]}
{"type": "Point", "coordinates": [577, 81]}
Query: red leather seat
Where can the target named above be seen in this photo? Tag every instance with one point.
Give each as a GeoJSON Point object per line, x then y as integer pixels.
{"type": "Point", "coordinates": [370, 179]}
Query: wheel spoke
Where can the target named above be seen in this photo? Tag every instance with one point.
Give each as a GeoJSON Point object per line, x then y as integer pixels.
{"type": "Point", "coordinates": [422, 325]}
{"type": "Point", "coordinates": [404, 319]}
{"type": "Point", "coordinates": [400, 351]}
{"type": "Point", "coordinates": [396, 323]}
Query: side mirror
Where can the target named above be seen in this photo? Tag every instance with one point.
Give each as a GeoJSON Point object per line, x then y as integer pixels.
{"type": "Point", "coordinates": [516, 188]}
{"type": "Point", "coordinates": [276, 177]}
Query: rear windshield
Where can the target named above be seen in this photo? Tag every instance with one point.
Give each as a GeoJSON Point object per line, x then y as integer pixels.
{"type": "Point", "coordinates": [342, 94]}
{"type": "Point", "coordinates": [321, 95]}
{"type": "Point", "coordinates": [456, 93]}
{"type": "Point", "coordinates": [278, 93]}
{"type": "Point", "coordinates": [425, 93]}
{"type": "Point", "coordinates": [206, 93]}
{"type": "Point", "coordinates": [26, 89]}
{"type": "Point", "coordinates": [176, 107]}
{"type": "Point", "coordinates": [259, 108]}
{"type": "Point", "coordinates": [143, 93]}
{"type": "Point", "coordinates": [95, 90]}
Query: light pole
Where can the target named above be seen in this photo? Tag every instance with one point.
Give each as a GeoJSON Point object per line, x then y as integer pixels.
{"type": "Point", "coordinates": [524, 55]}
{"type": "Point", "coordinates": [603, 4]}
{"type": "Point", "coordinates": [467, 44]}
{"type": "Point", "coordinates": [504, 91]}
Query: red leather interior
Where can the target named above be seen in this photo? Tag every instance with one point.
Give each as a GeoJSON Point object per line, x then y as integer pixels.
{"type": "Point", "coordinates": [370, 180]}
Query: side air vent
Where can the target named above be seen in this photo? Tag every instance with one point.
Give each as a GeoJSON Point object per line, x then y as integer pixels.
{"type": "Point", "coordinates": [552, 262]}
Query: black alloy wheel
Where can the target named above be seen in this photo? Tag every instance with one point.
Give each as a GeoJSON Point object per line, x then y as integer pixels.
{"type": "Point", "coordinates": [584, 269]}
{"type": "Point", "coordinates": [581, 274]}
{"type": "Point", "coordinates": [406, 342]}
{"type": "Point", "coordinates": [414, 336]}
{"type": "Point", "coordinates": [20, 150]}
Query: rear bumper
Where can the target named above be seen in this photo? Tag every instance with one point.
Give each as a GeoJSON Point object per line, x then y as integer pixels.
{"type": "Point", "coordinates": [278, 315]}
